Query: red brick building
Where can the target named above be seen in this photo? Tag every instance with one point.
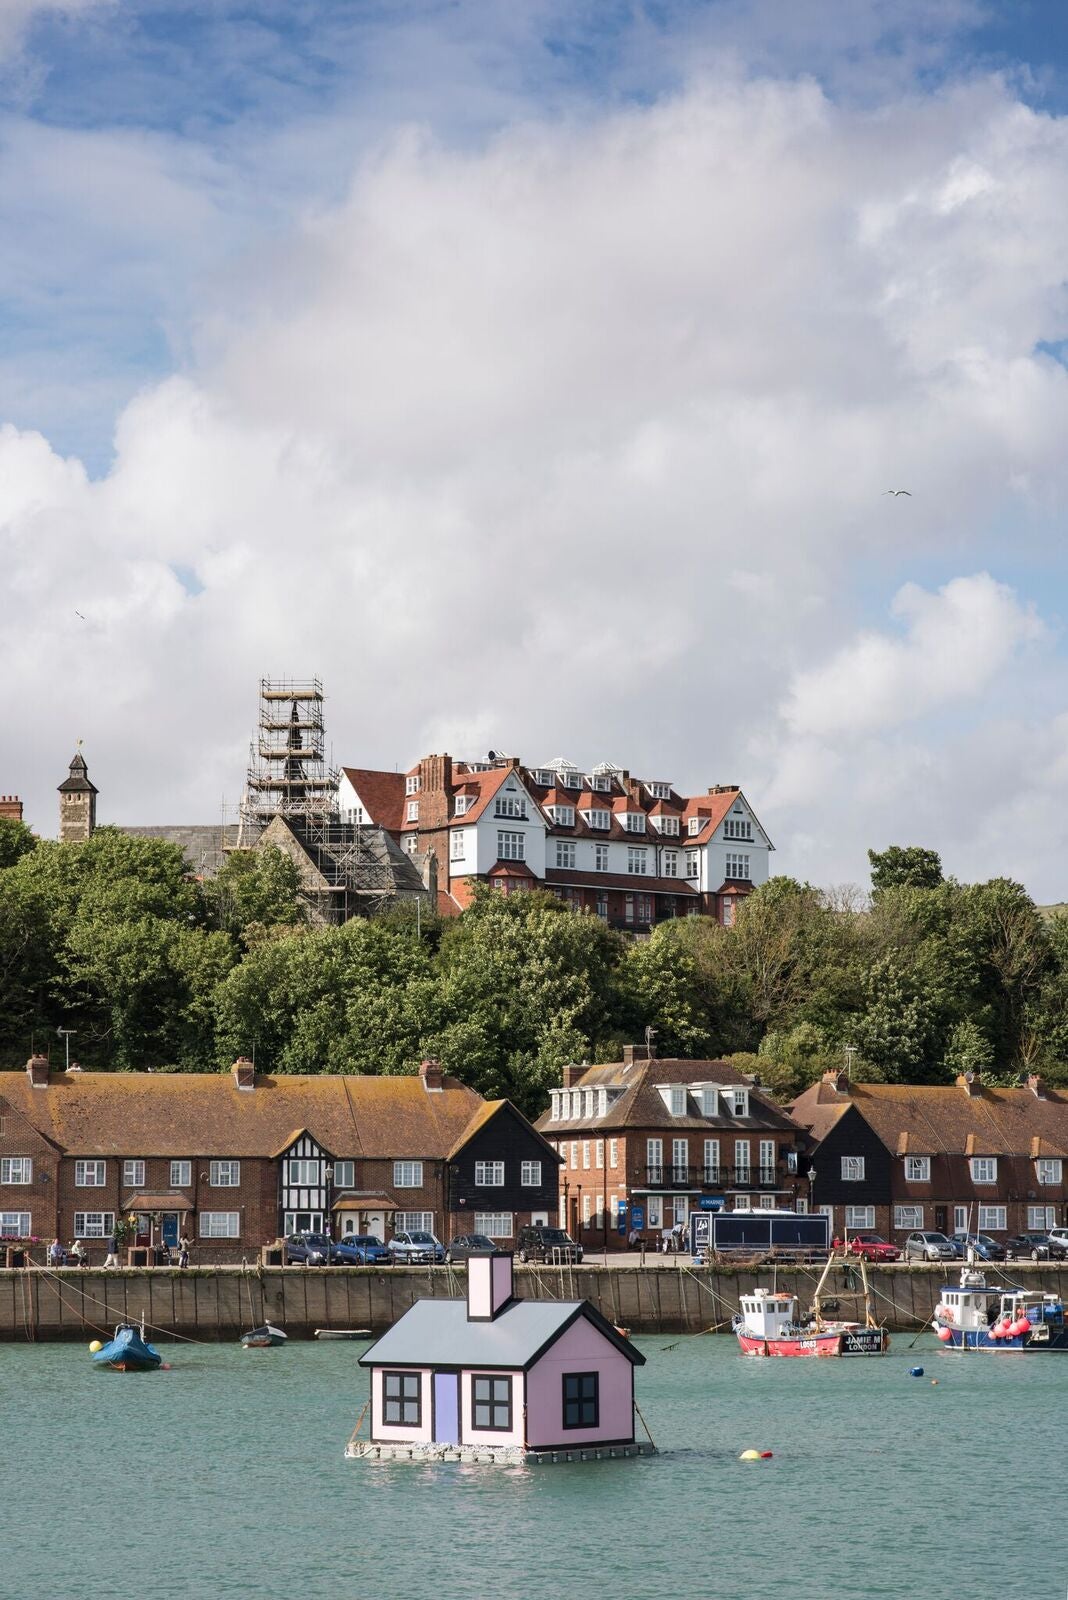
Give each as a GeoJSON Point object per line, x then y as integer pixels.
{"type": "Point", "coordinates": [645, 1142]}
{"type": "Point", "coordinates": [236, 1159]}
{"type": "Point", "coordinates": [899, 1158]}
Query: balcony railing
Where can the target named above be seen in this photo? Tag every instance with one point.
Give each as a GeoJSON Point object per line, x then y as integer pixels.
{"type": "Point", "coordinates": [668, 1175]}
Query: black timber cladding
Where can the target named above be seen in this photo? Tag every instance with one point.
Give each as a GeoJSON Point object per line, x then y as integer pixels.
{"type": "Point", "coordinates": [851, 1136]}
{"type": "Point", "coordinates": [504, 1137]}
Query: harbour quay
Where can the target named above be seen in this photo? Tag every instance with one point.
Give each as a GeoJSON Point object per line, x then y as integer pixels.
{"type": "Point", "coordinates": [669, 1296]}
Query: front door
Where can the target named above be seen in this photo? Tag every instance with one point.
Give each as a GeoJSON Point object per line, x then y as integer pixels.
{"type": "Point", "coordinates": [940, 1219]}
{"type": "Point", "coordinates": [446, 1408]}
{"type": "Point", "coordinates": [169, 1229]}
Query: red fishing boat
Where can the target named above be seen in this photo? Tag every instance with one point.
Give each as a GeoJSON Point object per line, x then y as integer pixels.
{"type": "Point", "coordinates": [770, 1324]}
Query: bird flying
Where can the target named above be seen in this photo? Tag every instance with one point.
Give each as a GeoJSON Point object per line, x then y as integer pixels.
{"type": "Point", "coordinates": [900, 491]}
{"type": "Point", "coordinates": [78, 614]}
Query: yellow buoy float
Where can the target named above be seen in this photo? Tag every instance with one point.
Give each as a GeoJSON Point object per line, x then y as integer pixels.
{"type": "Point", "coordinates": [95, 1346]}
{"type": "Point", "coordinates": [749, 1455]}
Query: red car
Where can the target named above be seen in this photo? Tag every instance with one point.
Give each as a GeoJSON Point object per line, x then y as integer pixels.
{"type": "Point", "coordinates": [873, 1248]}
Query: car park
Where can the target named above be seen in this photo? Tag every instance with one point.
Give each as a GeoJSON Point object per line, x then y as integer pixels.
{"type": "Point", "coordinates": [308, 1250]}
{"type": "Point", "coordinates": [983, 1247]}
{"type": "Point", "coordinates": [361, 1250]}
{"type": "Point", "coordinates": [554, 1245]}
{"type": "Point", "coordinates": [468, 1244]}
{"type": "Point", "coordinates": [929, 1246]}
{"type": "Point", "coordinates": [1034, 1247]}
{"type": "Point", "coordinates": [873, 1247]}
{"type": "Point", "coordinates": [415, 1247]}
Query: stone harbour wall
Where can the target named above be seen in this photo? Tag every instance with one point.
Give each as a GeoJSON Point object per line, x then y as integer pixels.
{"type": "Point", "coordinates": [221, 1302]}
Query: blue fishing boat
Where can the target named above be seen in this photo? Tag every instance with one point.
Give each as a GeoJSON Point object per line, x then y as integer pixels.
{"type": "Point", "coordinates": [975, 1316]}
{"type": "Point", "coordinates": [128, 1351]}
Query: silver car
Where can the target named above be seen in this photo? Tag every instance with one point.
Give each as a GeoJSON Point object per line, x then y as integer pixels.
{"type": "Point", "coordinates": [929, 1247]}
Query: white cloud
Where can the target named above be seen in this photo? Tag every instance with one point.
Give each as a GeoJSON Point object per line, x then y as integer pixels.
{"type": "Point", "coordinates": [953, 644]}
{"type": "Point", "coordinates": [576, 441]}
{"type": "Point", "coordinates": [16, 16]}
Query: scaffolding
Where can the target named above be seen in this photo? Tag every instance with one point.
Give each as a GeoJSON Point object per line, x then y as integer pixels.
{"type": "Point", "coordinates": [288, 774]}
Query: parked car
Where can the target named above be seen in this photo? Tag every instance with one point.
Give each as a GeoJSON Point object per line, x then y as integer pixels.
{"type": "Point", "coordinates": [929, 1247]}
{"type": "Point", "coordinates": [1059, 1236]}
{"type": "Point", "coordinates": [361, 1250]}
{"type": "Point", "coordinates": [986, 1248]}
{"type": "Point", "coordinates": [546, 1244]}
{"type": "Point", "coordinates": [873, 1247]}
{"type": "Point", "coordinates": [468, 1244]}
{"type": "Point", "coordinates": [308, 1250]}
{"type": "Point", "coordinates": [1036, 1246]}
{"type": "Point", "coordinates": [416, 1247]}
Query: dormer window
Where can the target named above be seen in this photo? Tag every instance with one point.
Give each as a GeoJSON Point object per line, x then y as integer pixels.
{"type": "Point", "coordinates": [413, 811]}
{"type": "Point", "coordinates": [572, 780]}
{"type": "Point", "coordinates": [601, 782]}
{"type": "Point", "coordinates": [411, 785]}
{"type": "Point", "coordinates": [587, 1097]}
{"type": "Point", "coordinates": [602, 1102]}
{"type": "Point", "coordinates": [736, 1102]}
{"type": "Point", "coordinates": [669, 825]}
{"type": "Point", "coordinates": [598, 819]}
{"type": "Point", "coordinates": [659, 791]}
{"type": "Point", "coordinates": [462, 803]}
{"type": "Point", "coordinates": [678, 1102]}
{"type": "Point", "coordinates": [563, 816]}
{"type": "Point", "coordinates": [543, 777]}
{"type": "Point", "coordinates": [695, 825]}
{"type": "Point", "coordinates": [634, 821]}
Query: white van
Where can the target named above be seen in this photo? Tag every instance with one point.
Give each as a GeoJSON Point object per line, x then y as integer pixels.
{"type": "Point", "coordinates": [1059, 1236]}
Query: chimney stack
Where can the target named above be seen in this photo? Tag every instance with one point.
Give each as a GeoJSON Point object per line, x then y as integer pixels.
{"type": "Point", "coordinates": [489, 1285]}
{"type": "Point", "coordinates": [572, 1073]}
{"type": "Point", "coordinates": [244, 1072]}
{"type": "Point", "coordinates": [969, 1082]}
{"type": "Point", "coordinates": [633, 1053]}
{"type": "Point", "coordinates": [1037, 1085]}
{"type": "Point", "coordinates": [11, 807]}
{"type": "Point", "coordinates": [837, 1079]}
{"type": "Point", "coordinates": [37, 1071]}
{"type": "Point", "coordinates": [431, 1074]}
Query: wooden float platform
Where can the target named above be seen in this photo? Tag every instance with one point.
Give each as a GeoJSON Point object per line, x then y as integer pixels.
{"type": "Point", "coordinates": [494, 1455]}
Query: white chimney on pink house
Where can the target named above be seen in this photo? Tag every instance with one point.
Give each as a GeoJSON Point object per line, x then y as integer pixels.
{"type": "Point", "coordinates": [489, 1285]}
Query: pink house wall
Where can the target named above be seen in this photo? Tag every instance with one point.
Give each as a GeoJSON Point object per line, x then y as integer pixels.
{"type": "Point", "coordinates": [581, 1349]}
{"type": "Point", "coordinates": [380, 1430]}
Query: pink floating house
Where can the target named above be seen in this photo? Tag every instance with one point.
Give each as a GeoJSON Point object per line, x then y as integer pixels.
{"type": "Point", "coordinates": [500, 1379]}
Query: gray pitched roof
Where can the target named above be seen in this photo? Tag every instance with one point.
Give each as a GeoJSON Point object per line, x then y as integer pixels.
{"type": "Point", "coordinates": [436, 1333]}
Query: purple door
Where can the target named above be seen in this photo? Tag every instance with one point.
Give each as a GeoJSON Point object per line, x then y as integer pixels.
{"type": "Point", "coordinates": [446, 1408]}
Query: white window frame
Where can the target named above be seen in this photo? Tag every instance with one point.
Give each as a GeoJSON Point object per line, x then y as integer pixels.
{"type": "Point", "coordinates": [741, 1202]}
{"type": "Point", "coordinates": [634, 821]}
{"type": "Point", "coordinates": [344, 1174]}
{"type": "Point", "coordinates": [411, 811]}
{"type": "Point", "coordinates": [565, 853]}
{"type": "Point", "coordinates": [15, 1224]}
{"type": "Point", "coordinates": [654, 1159]}
{"type": "Point", "coordinates": [712, 1167]}
{"type": "Point", "coordinates": [599, 819]}
{"type": "Point", "coordinates": [598, 1154]}
{"type": "Point", "coordinates": [585, 1155]}
{"type": "Point", "coordinates": [225, 1174]}
{"type": "Point", "coordinates": [638, 861]}
{"type": "Point", "coordinates": [16, 1170]}
{"type": "Point", "coordinates": [530, 1175]}
{"type": "Point", "coordinates": [917, 1169]}
{"type": "Point", "coordinates": [736, 867]}
{"type": "Point", "coordinates": [694, 826]}
{"type": "Point", "coordinates": [563, 816]}
{"type": "Point", "coordinates": [300, 1173]}
{"type": "Point", "coordinates": [1040, 1219]}
{"type": "Point", "coordinates": [411, 784]}
{"type": "Point", "coordinates": [677, 1100]}
{"type": "Point", "coordinates": [993, 1219]}
{"type": "Point", "coordinates": [693, 864]}
{"type": "Point", "coordinates": [852, 1169]}
{"type": "Point", "coordinates": [680, 1161]}
{"type": "Point", "coordinates": [671, 863]}
{"type": "Point", "coordinates": [613, 1152]}
{"type": "Point", "coordinates": [407, 1174]}
{"type": "Point", "coordinates": [984, 1169]}
{"type": "Point", "coordinates": [908, 1218]}
{"type": "Point", "coordinates": [457, 845]}
{"type": "Point", "coordinates": [653, 1211]}
{"type": "Point", "coordinates": [767, 1159]}
{"type": "Point", "coordinates": [960, 1219]}
{"type": "Point", "coordinates": [494, 1224]}
{"type": "Point", "coordinates": [859, 1217]}
{"type": "Point", "coordinates": [1049, 1169]}
{"type": "Point", "coordinates": [573, 1153]}
{"type": "Point", "coordinates": [489, 1175]}
{"type": "Point", "coordinates": [601, 858]}
{"type": "Point", "coordinates": [94, 1224]}
{"type": "Point", "coordinates": [659, 791]}
{"type": "Point", "coordinates": [413, 1222]}
{"type": "Point", "coordinates": [462, 806]}
{"type": "Point", "coordinates": [133, 1173]}
{"type": "Point", "coordinates": [742, 1160]}
{"type": "Point", "coordinates": [670, 825]}
{"type": "Point", "coordinates": [511, 846]}
{"type": "Point", "coordinates": [181, 1174]}
{"type": "Point", "coordinates": [219, 1224]}
{"type": "Point", "coordinates": [90, 1174]}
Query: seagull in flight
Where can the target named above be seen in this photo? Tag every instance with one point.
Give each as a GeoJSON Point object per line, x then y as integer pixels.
{"type": "Point", "coordinates": [900, 491]}
{"type": "Point", "coordinates": [78, 614]}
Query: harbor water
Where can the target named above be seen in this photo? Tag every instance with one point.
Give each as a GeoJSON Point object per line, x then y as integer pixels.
{"type": "Point", "coordinates": [225, 1478]}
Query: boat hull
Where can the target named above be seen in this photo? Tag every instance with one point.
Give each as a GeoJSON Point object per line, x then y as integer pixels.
{"type": "Point", "coordinates": [1023, 1344]}
{"type": "Point", "coordinates": [128, 1352]}
{"type": "Point", "coordinates": [832, 1342]}
{"type": "Point", "coordinates": [265, 1338]}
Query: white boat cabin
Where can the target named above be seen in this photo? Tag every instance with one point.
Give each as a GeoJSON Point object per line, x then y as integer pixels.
{"type": "Point", "coordinates": [768, 1315]}
{"type": "Point", "coordinates": [975, 1307]}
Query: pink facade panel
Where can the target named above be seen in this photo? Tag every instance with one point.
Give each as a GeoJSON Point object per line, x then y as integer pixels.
{"type": "Point", "coordinates": [581, 1349]}
{"type": "Point", "coordinates": [391, 1432]}
{"type": "Point", "coordinates": [469, 1434]}
{"type": "Point", "coordinates": [502, 1281]}
{"type": "Point", "coordinates": [479, 1287]}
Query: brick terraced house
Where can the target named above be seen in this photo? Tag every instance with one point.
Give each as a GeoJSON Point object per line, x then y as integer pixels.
{"type": "Point", "coordinates": [632, 851]}
{"type": "Point", "coordinates": [644, 1142]}
{"type": "Point", "coordinates": [902, 1157]}
{"type": "Point", "coordinates": [236, 1159]}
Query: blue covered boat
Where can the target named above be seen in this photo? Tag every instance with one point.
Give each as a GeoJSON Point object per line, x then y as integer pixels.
{"type": "Point", "coordinates": [975, 1316]}
{"type": "Point", "coordinates": [128, 1351]}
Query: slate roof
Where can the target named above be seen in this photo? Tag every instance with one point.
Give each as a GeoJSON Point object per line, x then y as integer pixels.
{"type": "Point", "coordinates": [486, 1112]}
{"type": "Point", "coordinates": [944, 1119]}
{"type": "Point", "coordinates": [182, 1113]}
{"type": "Point", "coordinates": [640, 1105]}
{"type": "Point", "coordinates": [437, 1333]}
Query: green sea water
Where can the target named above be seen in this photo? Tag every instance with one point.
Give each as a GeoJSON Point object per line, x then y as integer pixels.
{"type": "Point", "coordinates": [225, 1478]}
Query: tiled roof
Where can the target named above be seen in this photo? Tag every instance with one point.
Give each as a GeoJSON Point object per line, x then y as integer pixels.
{"type": "Point", "coordinates": [382, 794]}
{"type": "Point", "coordinates": [486, 1113]}
{"type": "Point", "coordinates": [618, 880]}
{"type": "Point", "coordinates": [205, 1114]}
{"type": "Point", "coordinates": [640, 1106]}
{"type": "Point", "coordinates": [929, 1119]}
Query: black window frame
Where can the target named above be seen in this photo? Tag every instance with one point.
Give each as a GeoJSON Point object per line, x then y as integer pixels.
{"type": "Point", "coordinates": [402, 1399]}
{"type": "Point", "coordinates": [579, 1404]}
{"type": "Point", "coordinates": [491, 1402]}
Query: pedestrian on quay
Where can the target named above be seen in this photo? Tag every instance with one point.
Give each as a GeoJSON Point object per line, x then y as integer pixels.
{"type": "Point", "coordinates": [56, 1254]}
{"type": "Point", "coordinates": [183, 1251]}
{"type": "Point", "coordinates": [112, 1257]}
{"type": "Point", "coordinates": [78, 1253]}
{"type": "Point", "coordinates": [633, 1239]}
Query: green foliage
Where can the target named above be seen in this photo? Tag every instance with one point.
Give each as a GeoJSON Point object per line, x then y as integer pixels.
{"type": "Point", "coordinates": [905, 867]}
{"type": "Point", "coordinates": [16, 840]}
{"type": "Point", "coordinates": [254, 890]}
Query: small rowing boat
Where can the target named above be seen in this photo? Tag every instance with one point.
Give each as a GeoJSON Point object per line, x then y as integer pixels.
{"type": "Point", "coordinates": [128, 1351]}
{"type": "Point", "coordinates": [263, 1338]}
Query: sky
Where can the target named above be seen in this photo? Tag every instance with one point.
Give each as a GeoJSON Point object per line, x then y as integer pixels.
{"type": "Point", "coordinates": [535, 375]}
